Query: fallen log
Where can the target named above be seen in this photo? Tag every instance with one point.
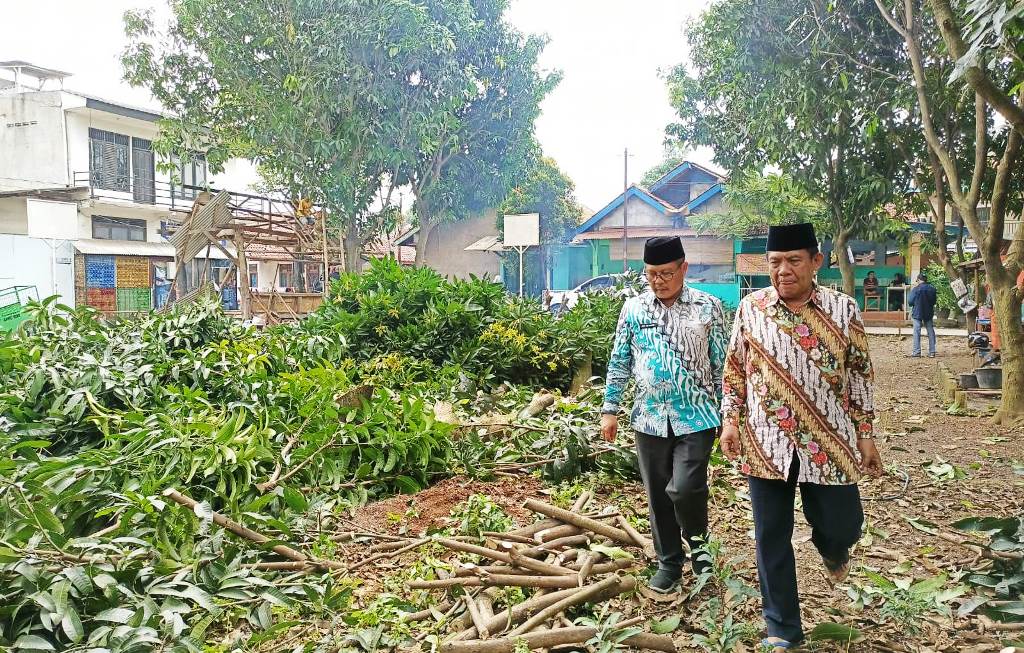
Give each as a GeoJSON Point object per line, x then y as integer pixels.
{"type": "Point", "coordinates": [579, 521]}
{"type": "Point", "coordinates": [476, 616]}
{"type": "Point", "coordinates": [251, 535]}
{"type": "Point", "coordinates": [635, 535]}
{"type": "Point", "coordinates": [557, 533]}
{"type": "Point", "coordinates": [548, 638]}
{"type": "Point", "coordinates": [495, 580]}
{"type": "Point", "coordinates": [553, 546]}
{"type": "Point", "coordinates": [583, 595]}
{"type": "Point", "coordinates": [522, 610]}
{"type": "Point", "coordinates": [599, 569]}
{"type": "Point", "coordinates": [520, 560]}
{"type": "Point", "coordinates": [501, 556]}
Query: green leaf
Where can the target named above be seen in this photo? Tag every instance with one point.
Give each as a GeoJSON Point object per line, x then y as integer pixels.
{"type": "Point", "coordinates": [665, 626]}
{"type": "Point", "coordinates": [928, 585]}
{"type": "Point", "coordinates": [79, 579]}
{"type": "Point", "coordinates": [72, 625]}
{"type": "Point", "coordinates": [33, 643]}
{"type": "Point", "coordinates": [407, 485]}
{"type": "Point", "coordinates": [832, 632]}
{"type": "Point", "coordinates": [295, 500]}
{"type": "Point", "coordinates": [115, 615]}
{"type": "Point", "coordinates": [612, 552]}
{"type": "Point", "coordinates": [923, 525]}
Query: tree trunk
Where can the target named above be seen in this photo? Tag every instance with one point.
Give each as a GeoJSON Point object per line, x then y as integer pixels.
{"type": "Point", "coordinates": [426, 229]}
{"type": "Point", "coordinates": [1008, 304]}
{"type": "Point", "coordinates": [839, 245]}
{"type": "Point", "coordinates": [353, 246]}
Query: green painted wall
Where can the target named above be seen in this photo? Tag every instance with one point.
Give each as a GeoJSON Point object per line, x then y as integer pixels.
{"type": "Point", "coordinates": [729, 293]}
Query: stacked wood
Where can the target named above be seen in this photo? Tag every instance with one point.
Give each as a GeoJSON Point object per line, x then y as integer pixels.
{"type": "Point", "coordinates": [555, 558]}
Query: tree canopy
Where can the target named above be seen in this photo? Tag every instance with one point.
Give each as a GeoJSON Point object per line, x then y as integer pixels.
{"type": "Point", "coordinates": [762, 92]}
{"type": "Point", "coordinates": [344, 102]}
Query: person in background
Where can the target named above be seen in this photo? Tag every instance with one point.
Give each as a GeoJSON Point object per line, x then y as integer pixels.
{"type": "Point", "coordinates": [671, 341]}
{"type": "Point", "coordinates": [896, 291]}
{"type": "Point", "coordinates": [797, 411]}
{"type": "Point", "coordinates": [923, 297]}
{"type": "Point", "coordinates": [870, 287]}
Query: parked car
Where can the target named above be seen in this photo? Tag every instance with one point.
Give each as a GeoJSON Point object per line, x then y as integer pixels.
{"type": "Point", "coordinates": [629, 282]}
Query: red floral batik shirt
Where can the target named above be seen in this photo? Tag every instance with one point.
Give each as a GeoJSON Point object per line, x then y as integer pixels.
{"type": "Point", "coordinates": [798, 383]}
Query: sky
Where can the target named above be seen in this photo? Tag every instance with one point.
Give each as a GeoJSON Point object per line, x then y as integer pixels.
{"type": "Point", "coordinates": [608, 51]}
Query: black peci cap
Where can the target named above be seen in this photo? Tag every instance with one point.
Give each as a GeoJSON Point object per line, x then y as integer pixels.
{"type": "Point", "coordinates": [663, 249]}
{"type": "Point", "coordinates": [791, 237]}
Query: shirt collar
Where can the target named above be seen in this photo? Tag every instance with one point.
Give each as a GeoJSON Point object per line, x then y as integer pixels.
{"type": "Point", "coordinates": [816, 295]}
{"type": "Point", "coordinates": [685, 297]}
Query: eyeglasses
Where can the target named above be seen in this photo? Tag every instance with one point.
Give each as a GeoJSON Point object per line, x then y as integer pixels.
{"type": "Point", "coordinates": [661, 276]}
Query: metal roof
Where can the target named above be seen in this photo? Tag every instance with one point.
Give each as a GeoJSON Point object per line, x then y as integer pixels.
{"type": "Point", "coordinates": [134, 248]}
{"type": "Point", "coordinates": [124, 248]}
{"type": "Point", "coordinates": [486, 244]}
{"type": "Point", "coordinates": [35, 71]}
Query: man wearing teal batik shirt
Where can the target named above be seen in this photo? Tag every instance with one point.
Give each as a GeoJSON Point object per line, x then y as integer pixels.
{"type": "Point", "coordinates": [671, 341]}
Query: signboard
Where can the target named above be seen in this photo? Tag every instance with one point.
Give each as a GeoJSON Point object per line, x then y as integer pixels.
{"type": "Point", "coordinates": [966, 304]}
{"type": "Point", "coordinates": [522, 230]}
{"type": "Point", "coordinates": [959, 287]}
{"type": "Point", "coordinates": [52, 220]}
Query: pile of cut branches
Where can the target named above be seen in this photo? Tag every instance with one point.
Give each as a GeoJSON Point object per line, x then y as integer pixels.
{"type": "Point", "coordinates": [569, 558]}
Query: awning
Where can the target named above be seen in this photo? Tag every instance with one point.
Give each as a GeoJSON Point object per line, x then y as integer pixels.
{"type": "Point", "coordinates": [135, 248]}
{"type": "Point", "coordinates": [486, 244]}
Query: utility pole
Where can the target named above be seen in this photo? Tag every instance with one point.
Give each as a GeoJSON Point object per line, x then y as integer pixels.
{"type": "Point", "coordinates": [625, 209]}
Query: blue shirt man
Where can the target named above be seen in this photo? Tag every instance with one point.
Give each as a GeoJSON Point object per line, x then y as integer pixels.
{"type": "Point", "coordinates": [922, 299]}
{"type": "Point", "coordinates": [671, 341]}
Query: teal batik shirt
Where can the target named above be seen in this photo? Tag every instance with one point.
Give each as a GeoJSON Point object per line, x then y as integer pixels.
{"type": "Point", "coordinates": [675, 355]}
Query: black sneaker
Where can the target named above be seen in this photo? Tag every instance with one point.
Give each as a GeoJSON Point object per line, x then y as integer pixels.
{"type": "Point", "coordinates": [665, 581]}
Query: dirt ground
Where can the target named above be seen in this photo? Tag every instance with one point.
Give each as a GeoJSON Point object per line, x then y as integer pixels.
{"type": "Point", "coordinates": [914, 433]}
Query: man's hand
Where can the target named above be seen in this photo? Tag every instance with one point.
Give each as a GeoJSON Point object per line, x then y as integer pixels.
{"type": "Point", "coordinates": [609, 427]}
{"type": "Point", "coordinates": [870, 461]}
{"type": "Point", "coordinates": [730, 441]}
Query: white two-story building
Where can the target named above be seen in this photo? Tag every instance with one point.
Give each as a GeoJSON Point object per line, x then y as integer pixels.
{"type": "Point", "coordinates": [84, 203]}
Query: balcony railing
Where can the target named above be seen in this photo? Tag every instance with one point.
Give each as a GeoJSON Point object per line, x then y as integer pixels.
{"type": "Point", "coordinates": [180, 197]}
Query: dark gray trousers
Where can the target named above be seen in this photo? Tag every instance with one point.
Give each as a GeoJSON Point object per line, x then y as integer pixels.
{"type": "Point", "coordinates": [674, 470]}
{"type": "Point", "coordinates": [835, 515]}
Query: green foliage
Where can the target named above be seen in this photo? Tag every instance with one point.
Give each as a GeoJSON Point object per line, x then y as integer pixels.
{"type": "Point", "coordinates": [769, 85]}
{"type": "Point", "coordinates": [480, 514]}
{"type": "Point", "coordinates": [548, 191]}
{"type": "Point", "coordinates": [1005, 579]}
{"type": "Point", "coordinates": [98, 418]}
{"type": "Point", "coordinates": [904, 601]}
{"type": "Point", "coordinates": [610, 634]}
{"type": "Point", "coordinates": [755, 201]}
{"type": "Point", "coordinates": [723, 629]}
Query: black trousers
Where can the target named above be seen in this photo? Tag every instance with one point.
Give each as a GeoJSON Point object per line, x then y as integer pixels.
{"type": "Point", "coordinates": [835, 515]}
{"type": "Point", "coordinates": [674, 470]}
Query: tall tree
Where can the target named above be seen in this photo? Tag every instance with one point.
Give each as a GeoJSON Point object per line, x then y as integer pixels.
{"type": "Point", "coordinates": [483, 142]}
{"type": "Point", "coordinates": [995, 157]}
{"type": "Point", "coordinates": [850, 31]}
{"type": "Point", "coordinates": [763, 94]}
{"type": "Point", "coordinates": [316, 93]}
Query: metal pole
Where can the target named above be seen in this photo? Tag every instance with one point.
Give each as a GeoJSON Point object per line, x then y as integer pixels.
{"type": "Point", "coordinates": [625, 209]}
{"type": "Point", "coordinates": [521, 250]}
